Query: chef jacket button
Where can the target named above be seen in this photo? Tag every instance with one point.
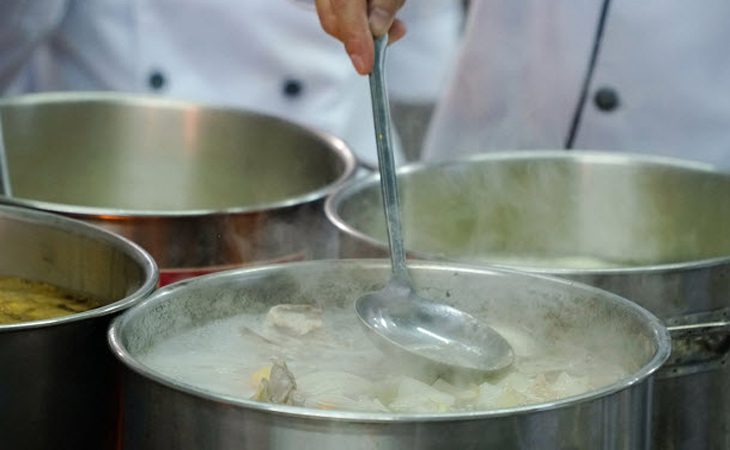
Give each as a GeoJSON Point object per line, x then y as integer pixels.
{"type": "Point", "coordinates": [292, 88]}
{"type": "Point", "coordinates": [156, 80]}
{"type": "Point", "coordinates": [606, 99]}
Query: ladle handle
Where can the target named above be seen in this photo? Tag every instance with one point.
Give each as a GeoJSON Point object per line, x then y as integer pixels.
{"type": "Point", "coordinates": [386, 161]}
{"type": "Point", "coordinates": [4, 176]}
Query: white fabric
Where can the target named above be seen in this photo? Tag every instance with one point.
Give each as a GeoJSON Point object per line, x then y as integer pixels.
{"type": "Point", "coordinates": [229, 52]}
{"type": "Point", "coordinates": [520, 70]}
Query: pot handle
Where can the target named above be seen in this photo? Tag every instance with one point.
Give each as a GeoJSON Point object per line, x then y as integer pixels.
{"type": "Point", "coordinates": [700, 342]}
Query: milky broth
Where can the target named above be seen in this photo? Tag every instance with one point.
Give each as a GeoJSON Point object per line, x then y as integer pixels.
{"type": "Point", "coordinates": [335, 366]}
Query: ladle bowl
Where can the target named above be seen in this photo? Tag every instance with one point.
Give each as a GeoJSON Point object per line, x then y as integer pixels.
{"type": "Point", "coordinates": [426, 335]}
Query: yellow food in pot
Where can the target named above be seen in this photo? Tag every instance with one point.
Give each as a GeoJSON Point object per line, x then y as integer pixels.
{"type": "Point", "coordinates": [260, 375]}
{"type": "Point", "coordinates": [24, 300]}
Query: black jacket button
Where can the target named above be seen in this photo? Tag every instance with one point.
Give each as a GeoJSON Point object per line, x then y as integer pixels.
{"type": "Point", "coordinates": [156, 80]}
{"type": "Point", "coordinates": [606, 99]}
{"type": "Point", "coordinates": [292, 88]}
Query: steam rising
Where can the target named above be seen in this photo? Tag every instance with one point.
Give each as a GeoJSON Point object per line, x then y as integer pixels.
{"type": "Point", "coordinates": [209, 334]}
{"type": "Point", "coordinates": [604, 219]}
{"type": "Point", "coordinates": [541, 210]}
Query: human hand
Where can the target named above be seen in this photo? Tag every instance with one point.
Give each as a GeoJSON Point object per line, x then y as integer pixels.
{"type": "Point", "coordinates": [355, 22]}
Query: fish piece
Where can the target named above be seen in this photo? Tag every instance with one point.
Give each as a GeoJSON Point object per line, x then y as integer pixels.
{"type": "Point", "coordinates": [295, 320]}
{"type": "Point", "coordinates": [279, 387]}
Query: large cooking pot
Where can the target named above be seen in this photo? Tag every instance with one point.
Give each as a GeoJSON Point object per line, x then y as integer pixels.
{"type": "Point", "coordinates": [201, 188]}
{"type": "Point", "coordinates": [164, 412]}
{"type": "Point", "coordinates": [650, 229]}
{"type": "Point", "coordinates": [59, 383]}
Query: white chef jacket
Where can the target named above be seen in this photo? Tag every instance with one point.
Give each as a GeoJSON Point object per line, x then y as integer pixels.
{"type": "Point", "coordinates": [664, 64]}
{"type": "Point", "coordinates": [266, 55]}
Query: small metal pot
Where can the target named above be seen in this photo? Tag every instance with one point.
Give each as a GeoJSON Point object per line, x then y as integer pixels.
{"type": "Point", "coordinates": [201, 188]}
{"type": "Point", "coordinates": [162, 412]}
{"type": "Point", "coordinates": [659, 225]}
{"type": "Point", "coordinates": [59, 384]}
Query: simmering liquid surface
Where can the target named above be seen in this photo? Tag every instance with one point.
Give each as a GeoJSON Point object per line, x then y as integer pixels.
{"type": "Point", "coordinates": [301, 355]}
{"type": "Point", "coordinates": [23, 300]}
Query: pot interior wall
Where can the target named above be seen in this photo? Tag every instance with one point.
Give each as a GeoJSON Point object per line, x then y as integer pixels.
{"type": "Point", "coordinates": [44, 248]}
{"type": "Point", "coordinates": [124, 152]}
{"type": "Point", "coordinates": [536, 210]}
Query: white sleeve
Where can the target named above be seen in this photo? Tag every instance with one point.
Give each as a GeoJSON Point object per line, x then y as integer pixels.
{"type": "Point", "coordinates": [24, 25]}
{"type": "Point", "coordinates": [419, 64]}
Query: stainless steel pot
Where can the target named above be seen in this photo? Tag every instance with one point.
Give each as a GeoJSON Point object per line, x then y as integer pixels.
{"type": "Point", "coordinates": [162, 412]}
{"type": "Point", "coordinates": [58, 380]}
{"type": "Point", "coordinates": [201, 188]}
{"type": "Point", "coordinates": [650, 229]}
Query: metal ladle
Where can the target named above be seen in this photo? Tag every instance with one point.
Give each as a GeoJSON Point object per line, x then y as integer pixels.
{"type": "Point", "coordinates": [417, 330]}
{"type": "Point", "coordinates": [4, 175]}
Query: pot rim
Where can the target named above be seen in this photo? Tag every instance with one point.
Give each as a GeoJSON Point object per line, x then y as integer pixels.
{"type": "Point", "coordinates": [334, 145]}
{"type": "Point", "coordinates": [658, 331]}
{"type": "Point", "coordinates": [72, 226]}
{"type": "Point", "coordinates": [334, 201]}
